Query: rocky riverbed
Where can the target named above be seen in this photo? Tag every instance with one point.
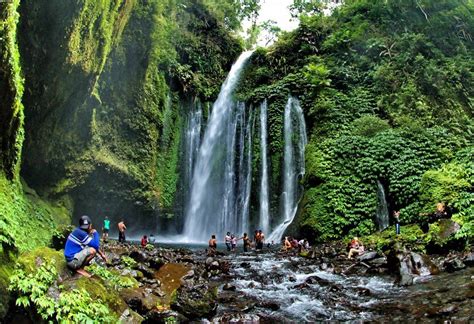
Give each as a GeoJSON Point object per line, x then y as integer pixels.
{"type": "Point", "coordinates": [158, 284]}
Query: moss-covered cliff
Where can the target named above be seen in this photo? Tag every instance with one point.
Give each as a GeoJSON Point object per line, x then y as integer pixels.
{"type": "Point", "coordinates": [106, 86]}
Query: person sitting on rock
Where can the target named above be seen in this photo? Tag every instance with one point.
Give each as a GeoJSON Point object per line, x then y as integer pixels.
{"type": "Point", "coordinates": [82, 245]}
{"type": "Point", "coordinates": [356, 248]}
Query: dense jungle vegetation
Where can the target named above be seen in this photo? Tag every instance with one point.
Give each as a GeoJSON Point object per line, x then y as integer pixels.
{"type": "Point", "coordinates": [387, 90]}
{"type": "Point", "coordinates": [93, 96]}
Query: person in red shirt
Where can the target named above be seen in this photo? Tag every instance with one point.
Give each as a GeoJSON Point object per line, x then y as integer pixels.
{"type": "Point", "coordinates": [144, 241]}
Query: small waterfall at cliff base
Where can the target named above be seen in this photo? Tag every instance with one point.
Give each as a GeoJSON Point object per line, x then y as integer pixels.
{"type": "Point", "coordinates": [293, 165]}
{"type": "Point", "coordinates": [382, 215]}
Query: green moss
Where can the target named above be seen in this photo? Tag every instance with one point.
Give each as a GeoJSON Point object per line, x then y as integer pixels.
{"type": "Point", "coordinates": [410, 235]}
{"type": "Point", "coordinates": [12, 87]}
{"type": "Point", "coordinates": [26, 220]}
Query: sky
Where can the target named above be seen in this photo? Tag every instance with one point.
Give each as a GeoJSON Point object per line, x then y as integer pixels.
{"type": "Point", "coordinates": [278, 11]}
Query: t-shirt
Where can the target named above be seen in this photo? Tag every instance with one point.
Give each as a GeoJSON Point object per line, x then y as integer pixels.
{"type": "Point", "coordinates": [106, 224]}
{"type": "Point", "coordinates": [78, 240]}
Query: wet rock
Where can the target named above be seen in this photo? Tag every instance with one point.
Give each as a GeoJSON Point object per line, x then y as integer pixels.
{"type": "Point", "coordinates": [379, 262]}
{"type": "Point", "coordinates": [317, 280]}
{"type": "Point", "coordinates": [138, 256]}
{"type": "Point", "coordinates": [214, 265]}
{"type": "Point", "coordinates": [361, 291]}
{"type": "Point", "coordinates": [367, 256]}
{"type": "Point", "coordinates": [292, 279]}
{"type": "Point", "coordinates": [188, 275]}
{"type": "Point", "coordinates": [454, 264]}
{"type": "Point", "coordinates": [229, 287]}
{"type": "Point", "coordinates": [469, 259]}
{"type": "Point", "coordinates": [245, 265]}
{"type": "Point", "coordinates": [440, 311]}
{"type": "Point", "coordinates": [156, 263]}
{"type": "Point", "coordinates": [163, 316]}
{"type": "Point", "coordinates": [139, 299]}
{"type": "Point", "coordinates": [195, 302]}
{"type": "Point", "coordinates": [269, 305]}
{"type": "Point", "coordinates": [147, 272]}
{"type": "Point", "coordinates": [237, 318]}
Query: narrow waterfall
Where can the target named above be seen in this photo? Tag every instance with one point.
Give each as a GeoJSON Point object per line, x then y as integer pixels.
{"type": "Point", "coordinates": [245, 174]}
{"type": "Point", "coordinates": [212, 206]}
{"type": "Point", "coordinates": [293, 165]}
{"type": "Point", "coordinates": [264, 204]}
{"type": "Point", "coordinates": [382, 216]}
{"type": "Point", "coordinates": [192, 140]}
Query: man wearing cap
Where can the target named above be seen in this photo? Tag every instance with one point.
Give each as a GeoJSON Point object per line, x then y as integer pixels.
{"type": "Point", "coordinates": [81, 246]}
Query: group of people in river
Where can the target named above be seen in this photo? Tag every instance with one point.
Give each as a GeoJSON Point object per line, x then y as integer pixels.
{"type": "Point", "coordinates": [258, 242]}
{"type": "Point", "coordinates": [231, 240]}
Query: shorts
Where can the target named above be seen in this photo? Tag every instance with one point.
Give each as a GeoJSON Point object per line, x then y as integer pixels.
{"type": "Point", "coordinates": [79, 258]}
{"type": "Point", "coordinates": [106, 231]}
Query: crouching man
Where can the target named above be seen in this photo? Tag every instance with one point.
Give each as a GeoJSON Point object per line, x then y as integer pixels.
{"type": "Point", "coordinates": [82, 245]}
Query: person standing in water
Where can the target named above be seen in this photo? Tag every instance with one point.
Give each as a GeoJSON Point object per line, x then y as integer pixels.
{"type": "Point", "coordinates": [121, 228]}
{"type": "Point", "coordinates": [227, 241]}
{"type": "Point", "coordinates": [105, 229]}
{"type": "Point", "coordinates": [212, 245]}
{"type": "Point", "coordinates": [246, 241]}
{"type": "Point", "coordinates": [234, 242]}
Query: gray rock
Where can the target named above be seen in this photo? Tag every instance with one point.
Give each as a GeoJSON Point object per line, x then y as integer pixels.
{"type": "Point", "coordinates": [367, 256]}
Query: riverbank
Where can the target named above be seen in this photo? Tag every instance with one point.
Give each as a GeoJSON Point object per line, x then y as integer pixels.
{"type": "Point", "coordinates": [156, 284]}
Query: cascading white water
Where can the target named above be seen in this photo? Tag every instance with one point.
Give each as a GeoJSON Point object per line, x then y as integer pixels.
{"type": "Point", "coordinates": [293, 165]}
{"type": "Point", "coordinates": [264, 203]}
{"type": "Point", "coordinates": [192, 139]}
{"type": "Point", "coordinates": [382, 208]}
{"type": "Point", "coordinates": [245, 168]}
{"type": "Point", "coordinates": [212, 201]}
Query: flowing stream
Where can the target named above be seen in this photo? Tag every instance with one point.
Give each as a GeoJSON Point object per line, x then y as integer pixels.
{"type": "Point", "coordinates": [276, 288]}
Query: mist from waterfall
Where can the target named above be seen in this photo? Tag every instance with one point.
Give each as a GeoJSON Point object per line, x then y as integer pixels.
{"type": "Point", "coordinates": [382, 214]}
{"type": "Point", "coordinates": [264, 223]}
{"type": "Point", "coordinates": [293, 165]}
{"type": "Point", "coordinates": [213, 199]}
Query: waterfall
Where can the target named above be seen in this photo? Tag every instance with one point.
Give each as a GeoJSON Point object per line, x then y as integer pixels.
{"type": "Point", "coordinates": [264, 213]}
{"type": "Point", "coordinates": [382, 208]}
{"type": "Point", "coordinates": [293, 164]}
{"type": "Point", "coordinates": [192, 140]}
{"type": "Point", "coordinates": [212, 206]}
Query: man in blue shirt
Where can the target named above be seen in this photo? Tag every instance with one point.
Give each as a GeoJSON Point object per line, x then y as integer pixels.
{"type": "Point", "coordinates": [82, 245]}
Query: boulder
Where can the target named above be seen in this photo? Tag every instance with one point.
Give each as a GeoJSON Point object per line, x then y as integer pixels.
{"type": "Point", "coordinates": [454, 264]}
{"type": "Point", "coordinates": [195, 302]}
{"type": "Point", "coordinates": [367, 256]}
{"type": "Point", "coordinates": [140, 300]}
{"type": "Point", "coordinates": [147, 272]}
{"type": "Point", "coordinates": [156, 263]}
{"type": "Point", "coordinates": [469, 259]}
{"type": "Point", "coordinates": [139, 256]}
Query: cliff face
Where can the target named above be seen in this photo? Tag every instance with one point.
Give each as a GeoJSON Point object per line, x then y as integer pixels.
{"type": "Point", "coordinates": [107, 84]}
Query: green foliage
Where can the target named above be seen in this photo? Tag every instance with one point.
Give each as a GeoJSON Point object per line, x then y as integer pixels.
{"type": "Point", "coordinates": [26, 220]}
{"type": "Point", "coordinates": [112, 278]}
{"type": "Point", "coordinates": [453, 185]}
{"type": "Point", "coordinates": [74, 305]}
{"type": "Point", "coordinates": [128, 261]}
{"type": "Point", "coordinates": [410, 235]}
{"type": "Point", "coordinates": [387, 97]}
